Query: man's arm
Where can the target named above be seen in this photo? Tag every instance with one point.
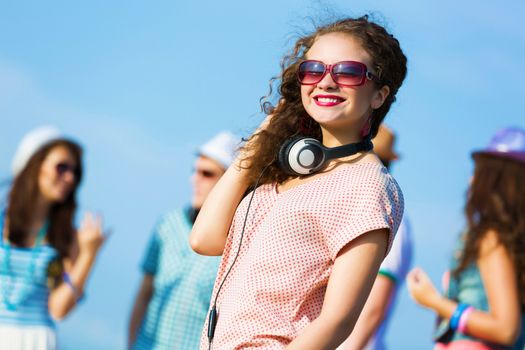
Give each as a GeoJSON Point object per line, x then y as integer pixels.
{"type": "Point", "coordinates": [140, 307]}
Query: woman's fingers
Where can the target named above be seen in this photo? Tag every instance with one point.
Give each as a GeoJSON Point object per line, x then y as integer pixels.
{"type": "Point", "coordinates": [90, 234]}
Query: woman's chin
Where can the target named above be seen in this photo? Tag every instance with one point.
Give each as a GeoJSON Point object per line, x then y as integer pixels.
{"type": "Point", "coordinates": [59, 198]}
{"type": "Point", "coordinates": [333, 122]}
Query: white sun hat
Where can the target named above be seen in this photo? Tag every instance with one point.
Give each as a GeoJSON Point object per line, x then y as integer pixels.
{"type": "Point", "coordinates": [222, 148]}
{"type": "Point", "coordinates": [31, 143]}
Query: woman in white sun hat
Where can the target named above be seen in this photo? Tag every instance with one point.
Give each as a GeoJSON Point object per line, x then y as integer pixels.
{"type": "Point", "coordinates": [44, 260]}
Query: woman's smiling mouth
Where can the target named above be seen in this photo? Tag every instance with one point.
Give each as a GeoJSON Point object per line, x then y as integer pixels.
{"type": "Point", "coordinates": [328, 100]}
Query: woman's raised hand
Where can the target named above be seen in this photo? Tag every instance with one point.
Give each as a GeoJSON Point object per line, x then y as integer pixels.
{"type": "Point", "coordinates": [90, 234]}
{"type": "Point", "coordinates": [421, 288]}
{"type": "Point", "coordinates": [247, 150]}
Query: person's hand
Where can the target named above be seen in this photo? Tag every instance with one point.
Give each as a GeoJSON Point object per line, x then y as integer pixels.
{"type": "Point", "coordinates": [421, 288]}
{"type": "Point", "coordinates": [90, 235]}
{"type": "Point", "coordinates": [264, 124]}
{"type": "Point", "coordinates": [248, 149]}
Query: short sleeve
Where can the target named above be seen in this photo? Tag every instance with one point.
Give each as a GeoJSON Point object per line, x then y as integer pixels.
{"type": "Point", "coordinates": [373, 202]}
{"type": "Point", "coordinates": [397, 263]}
{"type": "Point", "coordinates": [150, 262]}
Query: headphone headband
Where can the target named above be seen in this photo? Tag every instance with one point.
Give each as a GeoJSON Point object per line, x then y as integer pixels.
{"type": "Point", "coordinates": [347, 150]}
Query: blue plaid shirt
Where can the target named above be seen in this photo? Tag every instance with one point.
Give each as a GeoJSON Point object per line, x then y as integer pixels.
{"type": "Point", "coordinates": [183, 283]}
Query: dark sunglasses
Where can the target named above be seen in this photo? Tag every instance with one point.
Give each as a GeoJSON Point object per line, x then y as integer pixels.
{"type": "Point", "coordinates": [345, 73]}
{"type": "Point", "coordinates": [206, 173]}
{"type": "Point", "coordinates": [63, 168]}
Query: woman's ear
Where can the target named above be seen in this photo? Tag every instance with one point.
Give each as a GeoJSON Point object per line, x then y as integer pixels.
{"type": "Point", "coordinates": [379, 97]}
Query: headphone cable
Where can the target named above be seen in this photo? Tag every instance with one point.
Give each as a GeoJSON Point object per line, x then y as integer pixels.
{"type": "Point", "coordinates": [212, 318]}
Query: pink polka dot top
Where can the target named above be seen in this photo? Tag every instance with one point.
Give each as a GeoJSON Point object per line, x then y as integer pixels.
{"type": "Point", "coordinates": [277, 285]}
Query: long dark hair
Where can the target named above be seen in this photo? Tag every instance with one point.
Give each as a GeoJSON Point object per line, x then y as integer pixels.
{"type": "Point", "coordinates": [21, 203]}
{"type": "Point", "coordinates": [289, 117]}
{"type": "Point", "coordinates": [496, 201]}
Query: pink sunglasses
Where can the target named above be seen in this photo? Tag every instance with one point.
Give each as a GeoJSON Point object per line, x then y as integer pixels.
{"type": "Point", "coordinates": [344, 73]}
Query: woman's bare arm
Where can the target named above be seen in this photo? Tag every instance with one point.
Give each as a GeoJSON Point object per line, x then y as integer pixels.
{"type": "Point", "coordinates": [210, 230]}
{"type": "Point", "coordinates": [373, 313]}
{"type": "Point", "coordinates": [501, 324]}
{"type": "Point", "coordinates": [353, 275]}
{"type": "Point", "coordinates": [78, 266]}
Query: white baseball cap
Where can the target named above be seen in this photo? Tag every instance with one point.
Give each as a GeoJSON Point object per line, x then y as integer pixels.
{"type": "Point", "coordinates": [31, 143]}
{"type": "Point", "coordinates": [222, 148]}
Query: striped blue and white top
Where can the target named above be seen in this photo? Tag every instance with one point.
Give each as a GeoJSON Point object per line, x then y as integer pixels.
{"type": "Point", "coordinates": [24, 293]}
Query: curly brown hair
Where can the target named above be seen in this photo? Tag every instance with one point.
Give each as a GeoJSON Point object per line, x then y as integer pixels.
{"type": "Point", "coordinates": [289, 118]}
{"type": "Point", "coordinates": [496, 201]}
{"type": "Point", "coordinates": [21, 205]}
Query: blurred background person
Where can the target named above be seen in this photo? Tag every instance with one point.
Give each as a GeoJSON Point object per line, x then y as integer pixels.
{"type": "Point", "coordinates": [370, 329]}
{"type": "Point", "coordinates": [44, 260]}
{"type": "Point", "coordinates": [174, 295]}
{"type": "Point", "coordinates": [484, 303]}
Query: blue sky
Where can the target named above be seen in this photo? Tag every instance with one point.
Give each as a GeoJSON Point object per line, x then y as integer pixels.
{"type": "Point", "coordinates": [141, 85]}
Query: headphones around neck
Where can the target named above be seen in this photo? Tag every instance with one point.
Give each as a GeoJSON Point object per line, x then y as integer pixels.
{"type": "Point", "coordinates": [304, 155]}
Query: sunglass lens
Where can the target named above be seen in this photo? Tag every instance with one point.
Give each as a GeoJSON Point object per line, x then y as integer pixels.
{"type": "Point", "coordinates": [207, 173]}
{"type": "Point", "coordinates": [311, 72]}
{"type": "Point", "coordinates": [349, 73]}
{"type": "Point", "coordinates": [63, 168]}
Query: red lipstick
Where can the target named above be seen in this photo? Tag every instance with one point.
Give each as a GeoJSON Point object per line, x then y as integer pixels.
{"type": "Point", "coordinates": [328, 100]}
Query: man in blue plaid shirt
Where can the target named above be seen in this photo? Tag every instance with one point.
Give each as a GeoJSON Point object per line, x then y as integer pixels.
{"type": "Point", "coordinates": [174, 296]}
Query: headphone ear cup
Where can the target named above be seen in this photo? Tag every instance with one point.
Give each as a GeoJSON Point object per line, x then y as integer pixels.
{"type": "Point", "coordinates": [284, 153]}
{"type": "Point", "coordinates": [301, 156]}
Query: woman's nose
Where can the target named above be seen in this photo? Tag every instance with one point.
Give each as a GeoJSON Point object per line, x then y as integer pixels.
{"type": "Point", "coordinates": [327, 82]}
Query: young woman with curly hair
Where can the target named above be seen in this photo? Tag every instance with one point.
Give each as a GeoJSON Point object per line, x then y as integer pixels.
{"type": "Point", "coordinates": [298, 265]}
{"type": "Point", "coordinates": [484, 303]}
